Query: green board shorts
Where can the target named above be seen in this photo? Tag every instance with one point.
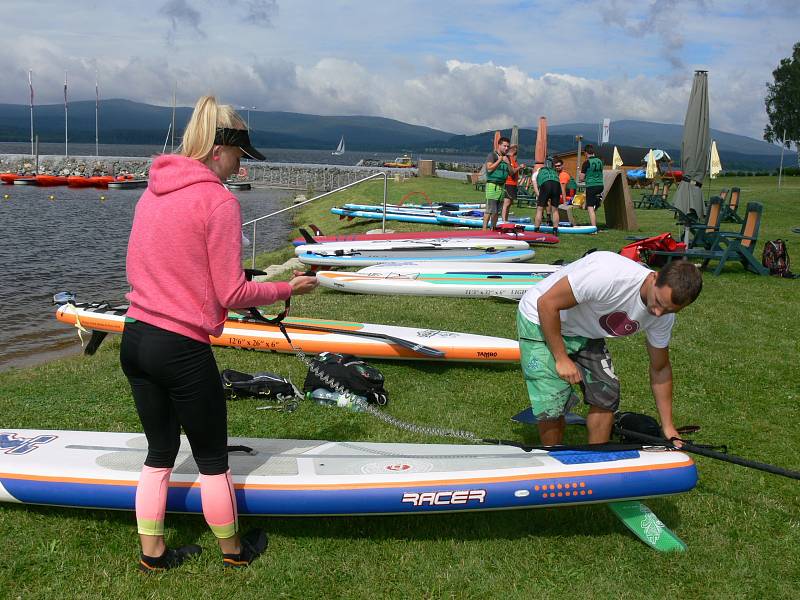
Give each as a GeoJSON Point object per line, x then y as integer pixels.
{"type": "Point", "coordinates": [495, 191]}
{"type": "Point", "coordinates": [550, 396]}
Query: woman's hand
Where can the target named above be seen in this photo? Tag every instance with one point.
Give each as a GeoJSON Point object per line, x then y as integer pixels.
{"type": "Point", "coordinates": [303, 284]}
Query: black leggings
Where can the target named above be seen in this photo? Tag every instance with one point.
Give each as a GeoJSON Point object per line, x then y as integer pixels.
{"type": "Point", "coordinates": [175, 383]}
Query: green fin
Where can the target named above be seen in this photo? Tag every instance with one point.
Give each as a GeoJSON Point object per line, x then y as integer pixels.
{"type": "Point", "coordinates": [646, 526]}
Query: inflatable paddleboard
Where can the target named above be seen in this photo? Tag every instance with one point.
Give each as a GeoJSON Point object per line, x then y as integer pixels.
{"type": "Point", "coordinates": [454, 284]}
{"type": "Point", "coordinates": [415, 268]}
{"type": "Point", "coordinates": [453, 220]}
{"type": "Point", "coordinates": [398, 247]}
{"type": "Point", "coordinates": [530, 237]}
{"type": "Point", "coordinates": [366, 340]}
{"type": "Point", "coordinates": [365, 258]}
{"type": "Point", "coordinates": [405, 218]}
{"type": "Point", "coordinates": [89, 469]}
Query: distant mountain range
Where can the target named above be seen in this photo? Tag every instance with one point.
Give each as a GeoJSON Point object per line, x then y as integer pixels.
{"type": "Point", "coordinates": [128, 122]}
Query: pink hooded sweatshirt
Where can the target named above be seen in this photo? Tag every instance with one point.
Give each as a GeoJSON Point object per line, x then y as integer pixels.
{"type": "Point", "coordinates": [184, 260]}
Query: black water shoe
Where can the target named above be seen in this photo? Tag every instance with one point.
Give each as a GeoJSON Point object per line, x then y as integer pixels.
{"type": "Point", "coordinates": [172, 557]}
{"type": "Point", "coordinates": [254, 542]}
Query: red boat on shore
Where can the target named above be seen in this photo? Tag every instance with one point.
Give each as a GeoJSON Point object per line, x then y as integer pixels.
{"type": "Point", "coordinates": [50, 180]}
{"type": "Point", "coordinates": [9, 178]}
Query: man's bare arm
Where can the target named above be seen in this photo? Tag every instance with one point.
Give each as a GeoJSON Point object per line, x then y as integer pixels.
{"type": "Point", "coordinates": [557, 298]}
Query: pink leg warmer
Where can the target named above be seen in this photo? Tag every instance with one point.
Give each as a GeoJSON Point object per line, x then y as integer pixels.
{"type": "Point", "coordinates": [219, 504]}
{"type": "Point", "coordinates": [151, 500]}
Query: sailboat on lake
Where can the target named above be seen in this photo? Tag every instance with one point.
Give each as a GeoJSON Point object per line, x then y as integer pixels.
{"type": "Point", "coordinates": [339, 149]}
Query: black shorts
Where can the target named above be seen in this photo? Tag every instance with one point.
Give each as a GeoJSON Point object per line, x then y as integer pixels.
{"type": "Point", "coordinates": [511, 192]}
{"type": "Point", "coordinates": [594, 196]}
{"type": "Point", "coordinates": [549, 191]}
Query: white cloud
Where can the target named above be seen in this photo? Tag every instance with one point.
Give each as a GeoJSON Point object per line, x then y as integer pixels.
{"type": "Point", "coordinates": [448, 69]}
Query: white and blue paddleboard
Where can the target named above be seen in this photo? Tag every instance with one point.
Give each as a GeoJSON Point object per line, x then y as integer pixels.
{"type": "Point", "coordinates": [469, 222]}
{"type": "Point", "coordinates": [365, 253]}
{"type": "Point", "coordinates": [429, 219]}
{"type": "Point", "coordinates": [100, 470]}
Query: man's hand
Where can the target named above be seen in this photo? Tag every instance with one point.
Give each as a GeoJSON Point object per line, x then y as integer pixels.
{"type": "Point", "coordinates": [669, 433]}
{"type": "Point", "coordinates": [568, 370]}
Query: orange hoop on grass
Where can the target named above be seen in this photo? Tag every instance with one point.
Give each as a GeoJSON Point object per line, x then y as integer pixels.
{"type": "Point", "coordinates": [423, 194]}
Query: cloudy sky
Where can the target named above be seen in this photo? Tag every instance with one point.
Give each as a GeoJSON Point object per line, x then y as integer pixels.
{"type": "Point", "coordinates": [465, 66]}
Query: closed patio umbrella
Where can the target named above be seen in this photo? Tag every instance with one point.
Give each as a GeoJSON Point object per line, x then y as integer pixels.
{"type": "Point", "coordinates": [540, 154]}
{"type": "Point", "coordinates": [694, 149]}
{"type": "Point", "coordinates": [652, 168]}
{"type": "Point", "coordinates": [616, 160]}
{"type": "Point", "coordinates": [715, 167]}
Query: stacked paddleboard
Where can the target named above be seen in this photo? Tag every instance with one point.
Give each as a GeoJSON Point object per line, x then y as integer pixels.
{"type": "Point", "coordinates": [313, 336]}
{"type": "Point", "coordinates": [456, 279]}
{"type": "Point", "coordinates": [90, 469]}
{"type": "Point", "coordinates": [371, 252]}
{"type": "Point", "coordinates": [507, 233]}
{"type": "Point", "coordinates": [444, 219]}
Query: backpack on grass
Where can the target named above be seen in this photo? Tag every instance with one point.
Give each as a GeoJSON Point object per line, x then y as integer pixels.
{"type": "Point", "coordinates": [345, 370]}
{"type": "Point", "coordinates": [775, 257]}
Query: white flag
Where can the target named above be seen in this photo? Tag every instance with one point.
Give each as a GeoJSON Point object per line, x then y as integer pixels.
{"type": "Point", "coordinates": [606, 131]}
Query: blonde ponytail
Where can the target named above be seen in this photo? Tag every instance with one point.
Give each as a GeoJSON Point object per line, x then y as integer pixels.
{"type": "Point", "coordinates": [198, 138]}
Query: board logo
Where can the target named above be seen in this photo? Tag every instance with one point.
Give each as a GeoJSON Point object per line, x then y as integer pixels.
{"type": "Point", "coordinates": [445, 498]}
{"type": "Point", "coordinates": [398, 467]}
{"type": "Point", "coordinates": [14, 444]}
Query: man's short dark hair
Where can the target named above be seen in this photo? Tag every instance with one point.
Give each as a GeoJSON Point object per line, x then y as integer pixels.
{"type": "Point", "coordinates": [589, 149]}
{"type": "Point", "coordinates": [503, 139]}
{"type": "Point", "coordinates": [684, 279]}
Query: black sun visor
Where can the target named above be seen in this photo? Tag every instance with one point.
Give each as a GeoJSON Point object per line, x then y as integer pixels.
{"type": "Point", "coordinates": [239, 138]}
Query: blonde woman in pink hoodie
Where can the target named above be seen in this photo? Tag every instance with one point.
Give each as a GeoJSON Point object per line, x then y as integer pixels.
{"type": "Point", "coordinates": [185, 271]}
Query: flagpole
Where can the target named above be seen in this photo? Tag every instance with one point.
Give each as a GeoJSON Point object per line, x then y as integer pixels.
{"type": "Point", "coordinates": [780, 171]}
{"type": "Point", "coordinates": [174, 95]}
{"type": "Point", "coordinates": [96, 116]}
{"type": "Point", "coordinates": [66, 120]}
{"type": "Point", "coordinates": [30, 85]}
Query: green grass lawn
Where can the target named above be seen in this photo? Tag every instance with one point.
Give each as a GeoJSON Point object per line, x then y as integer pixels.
{"type": "Point", "coordinates": [734, 353]}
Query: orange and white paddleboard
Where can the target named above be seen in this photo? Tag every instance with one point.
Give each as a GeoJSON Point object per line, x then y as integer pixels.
{"type": "Point", "coordinates": [313, 336]}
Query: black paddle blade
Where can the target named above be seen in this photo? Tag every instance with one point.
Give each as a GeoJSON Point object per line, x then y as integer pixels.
{"type": "Point", "coordinates": [308, 237]}
{"type": "Point", "coordinates": [94, 342]}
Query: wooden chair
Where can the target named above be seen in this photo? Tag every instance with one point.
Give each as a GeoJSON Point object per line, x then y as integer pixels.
{"type": "Point", "coordinates": [727, 245]}
{"type": "Point", "coordinates": [702, 233]}
{"type": "Point", "coordinates": [729, 214]}
{"type": "Point", "coordinates": [645, 200]}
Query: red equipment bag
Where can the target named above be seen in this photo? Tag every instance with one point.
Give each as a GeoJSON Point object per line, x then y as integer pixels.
{"type": "Point", "coordinates": [663, 241]}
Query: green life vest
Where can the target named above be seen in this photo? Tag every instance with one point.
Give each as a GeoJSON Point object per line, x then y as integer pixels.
{"type": "Point", "coordinates": [500, 174]}
{"type": "Point", "coordinates": [572, 185]}
{"type": "Point", "coordinates": [546, 174]}
{"type": "Point", "coordinates": [594, 174]}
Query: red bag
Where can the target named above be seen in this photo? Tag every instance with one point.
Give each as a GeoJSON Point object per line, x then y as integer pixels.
{"type": "Point", "coordinates": [658, 242]}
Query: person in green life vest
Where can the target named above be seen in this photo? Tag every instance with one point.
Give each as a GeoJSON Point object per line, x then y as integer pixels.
{"type": "Point", "coordinates": [498, 168]}
{"type": "Point", "coordinates": [592, 174]}
{"type": "Point", "coordinates": [548, 190]}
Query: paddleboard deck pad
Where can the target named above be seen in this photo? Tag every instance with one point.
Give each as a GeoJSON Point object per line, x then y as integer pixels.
{"type": "Point", "coordinates": [338, 336]}
{"type": "Point", "coordinates": [280, 477]}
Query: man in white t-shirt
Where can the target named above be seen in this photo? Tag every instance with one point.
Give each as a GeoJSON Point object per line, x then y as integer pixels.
{"type": "Point", "coordinates": [562, 325]}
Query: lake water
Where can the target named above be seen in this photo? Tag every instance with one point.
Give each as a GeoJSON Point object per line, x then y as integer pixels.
{"type": "Point", "coordinates": [77, 241]}
{"type": "Point", "coordinates": [285, 155]}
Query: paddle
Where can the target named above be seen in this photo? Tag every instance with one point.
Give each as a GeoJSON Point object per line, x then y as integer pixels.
{"type": "Point", "coordinates": [413, 346]}
{"type": "Point", "coordinates": [689, 447]}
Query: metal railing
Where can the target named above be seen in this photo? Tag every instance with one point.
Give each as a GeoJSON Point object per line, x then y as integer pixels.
{"type": "Point", "coordinates": [254, 222]}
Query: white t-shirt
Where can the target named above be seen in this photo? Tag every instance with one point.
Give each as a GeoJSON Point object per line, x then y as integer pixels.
{"type": "Point", "coordinates": [607, 287]}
